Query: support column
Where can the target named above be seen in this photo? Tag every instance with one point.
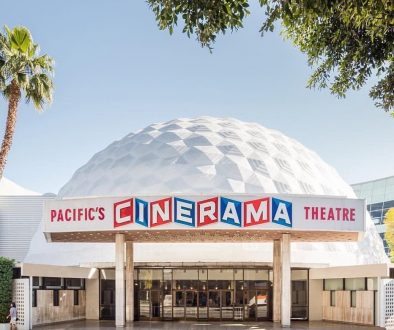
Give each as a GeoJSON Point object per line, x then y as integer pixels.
{"type": "Point", "coordinates": [277, 280]}
{"type": "Point", "coordinates": [285, 281]}
{"type": "Point", "coordinates": [129, 282]}
{"type": "Point", "coordinates": [119, 281]}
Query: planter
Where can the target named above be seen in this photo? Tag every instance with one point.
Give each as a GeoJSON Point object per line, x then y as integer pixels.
{"type": "Point", "coordinates": [4, 326]}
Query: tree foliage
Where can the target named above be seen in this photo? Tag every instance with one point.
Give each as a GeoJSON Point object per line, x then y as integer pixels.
{"type": "Point", "coordinates": [6, 266]}
{"type": "Point", "coordinates": [346, 42]}
{"type": "Point", "coordinates": [389, 234]}
{"type": "Point", "coordinates": [21, 63]}
{"type": "Point", "coordinates": [23, 73]}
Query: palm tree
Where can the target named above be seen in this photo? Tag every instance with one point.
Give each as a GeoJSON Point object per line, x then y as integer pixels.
{"type": "Point", "coordinates": [23, 73]}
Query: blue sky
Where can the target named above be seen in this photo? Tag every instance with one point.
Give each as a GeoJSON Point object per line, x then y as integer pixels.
{"type": "Point", "coordinates": [116, 72]}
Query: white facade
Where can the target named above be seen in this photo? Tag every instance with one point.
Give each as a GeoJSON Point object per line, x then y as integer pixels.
{"type": "Point", "coordinates": [20, 215]}
{"type": "Point", "coordinates": [207, 156]}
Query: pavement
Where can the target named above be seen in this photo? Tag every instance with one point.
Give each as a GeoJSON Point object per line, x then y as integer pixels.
{"type": "Point", "coordinates": [171, 325]}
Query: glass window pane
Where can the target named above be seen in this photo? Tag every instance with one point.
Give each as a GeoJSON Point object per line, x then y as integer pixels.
{"type": "Point", "coordinates": [36, 281]}
{"type": "Point", "coordinates": [107, 274]}
{"type": "Point", "coordinates": [299, 274]}
{"type": "Point", "coordinates": [372, 283]}
{"type": "Point", "coordinates": [150, 278]}
{"type": "Point", "coordinates": [333, 284]}
{"type": "Point", "coordinates": [256, 278]}
{"type": "Point", "coordinates": [377, 206]}
{"type": "Point", "coordinates": [238, 274]}
{"type": "Point", "coordinates": [220, 279]}
{"type": "Point", "coordinates": [388, 204]}
{"type": "Point", "coordinates": [353, 295]}
{"type": "Point", "coordinates": [214, 304]}
{"type": "Point", "coordinates": [202, 303]}
{"type": "Point", "coordinates": [52, 282]}
{"type": "Point", "coordinates": [203, 279]}
{"type": "Point", "coordinates": [355, 283]}
{"type": "Point", "coordinates": [185, 279]}
{"type": "Point", "coordinates": [74, 283]}
{"type": "Point", "coordinates": [167, 275]}
{"type": "Point", "coordinates": [332, 298]}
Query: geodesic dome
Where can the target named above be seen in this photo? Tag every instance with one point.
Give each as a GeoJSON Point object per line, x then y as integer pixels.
{"type": "Point", "coordinates": [205, 156]}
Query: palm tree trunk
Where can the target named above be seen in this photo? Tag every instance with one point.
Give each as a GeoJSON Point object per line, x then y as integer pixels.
{"type": "Point", "coordinates": [13, 101]}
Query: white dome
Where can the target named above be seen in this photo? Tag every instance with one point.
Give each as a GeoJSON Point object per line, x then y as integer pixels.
{"type": "Point", "coordinates": [212, 155]}
{"type": "Point", "coordinates": [10, 188]}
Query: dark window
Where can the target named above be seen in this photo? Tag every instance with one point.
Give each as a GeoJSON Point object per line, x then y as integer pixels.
{"type": "Point", "coordinates": [353, 295]}
{"type": "Point", "coordinates": [332, 298]}
{"type": "Point", "coordinates": [377, 206]}
{"type": "Point", "coordinates": [74, 283]}
{"type": "Point", "coordinates": [52, 282]}
{"type": "Point", "coordinates": [55, 297]}
{"type": "Point", "coordinates": [34, 298]}
{"type": "Point", "coordinates": [376, 214]}
{"type": "Point", "coordinates": [16, 272]}
{"type": "Point", "coordinates": [36, 282]}
{"type": "Point", "coordinates": [391, 272]}
{"type": "Point", "coordinates": [388, 204]}
{"type": "Point", "coordinates": [76, 297]}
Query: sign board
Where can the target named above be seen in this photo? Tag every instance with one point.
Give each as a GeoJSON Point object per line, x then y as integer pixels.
{"type": "Point", "coordinates": [191, 212]}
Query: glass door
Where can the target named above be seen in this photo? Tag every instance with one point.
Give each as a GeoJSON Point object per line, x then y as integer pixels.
{"type": "Point", "coordinates": [191, 305]}
{"type": "Point", "coordinates": [227, 305]}
{"type": "Point", "coordinates": [107, 300]}
{"type": "Point", "coordinates": [155, 304]}
{"type": "Point", "coordinates": [144, 304]}
{"type": "Point", "coordinates": [262, 304]}
{"type": "Point", "coordinates": [202, 305]}
{"type": "Point", "coordinates": [214, 305]}
{"type": "Point", "coordinates": [179, 305]}
{"type": "Point", "coordinates": [150, 306]}
{"type": "Point", "coordinates": [257, 305]}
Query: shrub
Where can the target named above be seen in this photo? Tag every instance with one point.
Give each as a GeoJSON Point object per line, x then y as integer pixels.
{"type": "Point", "coordinates": [6, 266]}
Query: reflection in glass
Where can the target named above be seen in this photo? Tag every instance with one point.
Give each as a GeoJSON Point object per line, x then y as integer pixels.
{"type": "Point", "coordinates": [150, 278]}
{"type": "Point", "coordinates": [203, 303]}
{"type": "Point", "coordinates": [155, 304]}
{"type": "Point", "coordinates": [185, 279]}
{"type": "Point", "coordinates": [191, 304]}
{"type": "Point", "coordinates": [214, 304]}
{"type": "Point", "coordinates": [107, 299]}
{"type": "Point", "coordinates": [179, 304]}
{"type": "Point", "coordinates": [144, 304]}
{"type": "Point", "coordinates": [261, 304]}
{"type": "Point", "coordinates": [227, 305]}
{"type": "Point", "coordinates": [191, 293]}
{"type": "Point", "coordinates": [220, 279]}
{"type": "Point", "coordinates": [299, 293]}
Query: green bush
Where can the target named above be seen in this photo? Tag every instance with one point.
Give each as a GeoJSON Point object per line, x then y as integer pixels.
{"type": "Point", "coordinates": [6, 266]}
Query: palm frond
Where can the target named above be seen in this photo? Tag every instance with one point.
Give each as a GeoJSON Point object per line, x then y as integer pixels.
{"type": "Point", "coordinates": [21, 63]}
{"type": "Point", "coordinates": [39, 90]}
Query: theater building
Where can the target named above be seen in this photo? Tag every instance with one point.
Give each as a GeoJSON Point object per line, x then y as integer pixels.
{"type": "Point", "coordinates": [207, 219]}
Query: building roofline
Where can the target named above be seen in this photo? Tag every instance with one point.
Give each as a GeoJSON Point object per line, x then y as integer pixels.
{"type": "Point", "coordinates": [363, 182]}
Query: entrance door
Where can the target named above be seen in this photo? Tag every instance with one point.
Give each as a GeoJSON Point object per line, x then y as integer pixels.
{"type": "Point", "coordinates": [179, 305]}
{"type": "Point", "coordinates": [144, 304]}
{"type": "Point", "coordinates": [227, 305]}
{"type": "Point", "coordinates": [262, 304]}
{"type": "Point", "coordinates": [150, 304]}
{"type": "Point", "coordinates": [258, 304]}
{"type": "Point", "coordinates": [202, 305]}
{"type": "Point", "coordinates": [214, 305]}
{"type": "Point", "coordinates": [155, 304]}
{"type": "Point", "coordinates": [107, 300]}
{"type": "Point", "coordinates": [191, 305]}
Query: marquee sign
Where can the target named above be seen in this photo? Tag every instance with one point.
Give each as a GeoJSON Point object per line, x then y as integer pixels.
{"type": "Point", "coordinates": [188, 212]}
